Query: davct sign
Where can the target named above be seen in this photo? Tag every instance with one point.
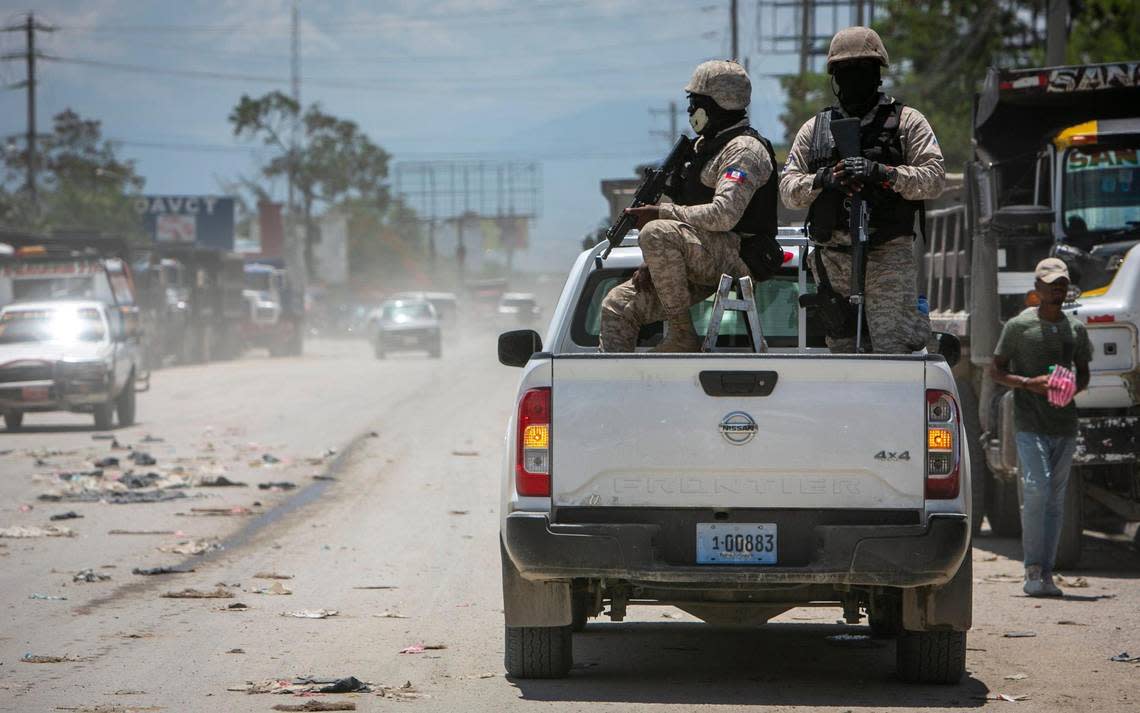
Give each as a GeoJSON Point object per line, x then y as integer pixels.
{"type": "Point", "coordinates": [207, 221]}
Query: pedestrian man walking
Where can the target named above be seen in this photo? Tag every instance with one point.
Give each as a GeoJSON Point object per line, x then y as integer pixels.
{"type": "Point", "coordinates": [724, 194]}
{"type": "Point", "coordinates": [1043, 355]}
{"type": "Point", "coordinates": [900, 166]}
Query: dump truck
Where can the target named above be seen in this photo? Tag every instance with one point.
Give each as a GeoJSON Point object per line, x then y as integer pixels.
{"type": "Point", "coordinates": [1054, 172]}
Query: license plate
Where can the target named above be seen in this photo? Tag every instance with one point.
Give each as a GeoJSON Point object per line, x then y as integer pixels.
{"type": "Point", "coordinates": [736, 543]}
{"type": "Point", "coordinates": [34, 393]}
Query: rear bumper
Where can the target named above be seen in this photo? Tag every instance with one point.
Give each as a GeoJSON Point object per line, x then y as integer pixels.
{"type": "Point", "coordinates": [888, 555]}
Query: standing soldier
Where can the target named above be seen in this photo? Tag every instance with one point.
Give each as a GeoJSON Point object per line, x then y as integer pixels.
{"type": "Point", "coordinates": [726, 193]}
{"type": "Point", "coordinates": [899, 167]}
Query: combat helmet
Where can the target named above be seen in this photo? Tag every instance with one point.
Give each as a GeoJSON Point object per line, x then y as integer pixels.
{"type": "Point", "coordinates": [723, 80]}
{"type": "Point", "coordinates": [856, 43]}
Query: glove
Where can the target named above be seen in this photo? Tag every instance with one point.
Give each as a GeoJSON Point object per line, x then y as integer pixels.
{"type": "Point", "coordinates": [825, 179]}
{"type": "Point", "coordinates": [865, 170]}
{"type": "Point", "coordinates": [1062, 386]}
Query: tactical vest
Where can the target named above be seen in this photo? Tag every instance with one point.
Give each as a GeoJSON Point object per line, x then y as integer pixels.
{"type": "Point", "coordinates": [759, 217]}
{"type": "Point", "coordinates": [891, 215]}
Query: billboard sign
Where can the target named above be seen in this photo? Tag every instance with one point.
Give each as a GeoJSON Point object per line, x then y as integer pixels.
{"type": "Point", "coordinates": [206, 221]}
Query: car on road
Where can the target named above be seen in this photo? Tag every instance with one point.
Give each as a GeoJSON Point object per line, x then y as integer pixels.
{"type": "Point", "coordinates": [733, 485]}
{"type": "Point", "coordinates": [80, 356]}
{"type": "Point", "coordinates": [518, 308]}
{"type": "Point", "coordinates": [446, 303]}
{"type": "Point", "coordinates": [406, 325]}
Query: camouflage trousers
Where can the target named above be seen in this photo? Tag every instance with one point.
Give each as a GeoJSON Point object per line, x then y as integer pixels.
{"type": "Point", "coordinates": [686, 264]}
{"type": "Point", "coordinates": [890, 298]}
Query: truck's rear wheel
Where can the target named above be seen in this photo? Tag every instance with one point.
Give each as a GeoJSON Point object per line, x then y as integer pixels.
{"type": "Point", "coordinates": [13, 420]}
{"type": "Point", "coordinates": [978, 469]}
{"type": "Point", "coordinates": [1073, 525]}
{"type": "Point", "coordinates": [931, 656]}
{"type": "Point", "coordinates": [538, 651]}
{"type": "Point", "coordinates": [125, 404]}
{"type": "Point", "coordinates": [105, 416]}
{"type": "Point", "coordinates": [1002, 506]}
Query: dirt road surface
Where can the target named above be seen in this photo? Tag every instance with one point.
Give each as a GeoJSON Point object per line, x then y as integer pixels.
{"type": "Point", "coordinates": [398, 535]}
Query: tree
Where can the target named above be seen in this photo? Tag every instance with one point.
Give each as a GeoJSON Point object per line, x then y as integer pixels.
{"type": "Point", "coordinates": [81, 183]}
{"type": "Point", "coordinates": [1105, 31]}
{"type": "Point", "coordinates": [332, 162]}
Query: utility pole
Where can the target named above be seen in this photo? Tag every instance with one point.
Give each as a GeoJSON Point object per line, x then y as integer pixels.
{"type": "Point", "coordinates": [295, 255]}
{"type": "Point", "coordinates": [807, 12]}
{"type": "Point", "coordinates": [1056, 32]}
{"type": "Point", "coordinates": [673, 112]}
{"type": "Point", "coordinates": [29, 27]}
{"type": "Point", "coordinates": [735, 44]}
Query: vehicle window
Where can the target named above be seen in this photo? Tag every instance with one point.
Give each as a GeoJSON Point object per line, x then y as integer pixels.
{"type": "Point", "coordinates": [407, 312]}
{"type": "Point", "coordinates": [51, 325]}
{"type": "Point", "coordinates": [777, 302]}
{"type": "Point", "coordinates": [54, 288]}
{"type": "Point", "coordinates": [1101, 187]}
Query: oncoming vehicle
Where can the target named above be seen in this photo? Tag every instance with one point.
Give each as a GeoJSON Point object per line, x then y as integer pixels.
{"type": "Point", "coordinates": [406, 325]}
{"type": "Point", "coordinates": [68, 356]}
{"type": "Point", "coordinates": [520, 307]}
{"type": "Point", "coordinates": [733, 485]}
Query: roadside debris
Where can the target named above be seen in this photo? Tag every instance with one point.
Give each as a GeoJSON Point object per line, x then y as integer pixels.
{"type": "Point", "coordinates": [152, 439]}
{"type": "Point", "coordinates": [378, 586]}
{"type": "Point", "coordinates": [236, 651]}
{"type": "Point", "coordinates": [219, 512]}
{"type": "Point", "coordinates": [1123, 657]}
{"type": "Point", "coordinates": [1017, 677]}
{"type": "Point", "coordinates": [275, 588]}
{"type": "Point", "coordinates": [458, 512]}
{"type": "Point", "coordinates": [149, 571]}
{"type": "Point", "coordinates": [324, 477]}
{"type": "Point", "coordinates": [34, 658]}
{"type": "Point", "coordinates": [1019, 634]}
{"type": "Point", "coordinates": [305, 684]}
{"type": "Point", "coordinates": [270, 458]}
{"type": "Point", "coordinates": [220, 481]}
{"type": "Point", "coordinates": [188, 593]}
{"type": "Point", "coordinates": [126, 497]}
{"type": "Point", "coordinates": [140, 532]}
{"type": "Point", "coordinates": [281, 485]}
{"type": "Point", "coordinates": [311, 613]}
{"type": "Point", "coordinates": [1074, 583]}
{"type": "Point", "coordinates": [1070, 622]}
{"type": "Point", "coordinates": [102, 437]}
{"type": "Point", "coordinates": [317, 706]}
{"type": "Point", "coordinates": [465, 453]}
{"type": "Point", "coordinates": [191, 547]}
{"type": "Point", "coordinates": [272, 575]}
{"type": "Point", "coordinates": [89, 575]}
{"type": "Point", "coordinates": [108, 462]}
{"type": "Point", "coordinates": [21, 532]}
{"type": "Point", "coordinates": [406, 692]}
{"type": "Point", "coordinates": [47, 597]}
{"type": "Point", "coordinates": [138, 482]}
{"type": "Point", "coordinates": [1003, 579]}
{"type": "Point", "coordinates": [69, 515]}
{"type": "Point", "coordinates": [389, 615]}
{"type": "Point", "coordinates": [142, 458]}
{"type": "Point", "coordinates": [420, 648]}
{"type": "Point", "coordinates": [1003, 697]}
{"type": "Point", "coordinates": [236, 606]}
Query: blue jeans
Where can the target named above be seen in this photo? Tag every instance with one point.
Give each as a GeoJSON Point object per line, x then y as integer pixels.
{"type": "Point", "coordinates": [1044, 463]}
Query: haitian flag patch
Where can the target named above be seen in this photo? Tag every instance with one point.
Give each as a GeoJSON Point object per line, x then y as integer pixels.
{"type": "Point", "coordinates": [735, 175]}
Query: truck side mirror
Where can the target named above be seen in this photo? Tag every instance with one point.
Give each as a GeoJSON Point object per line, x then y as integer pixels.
{"type": "Point", "coordinates": [949, 346]}
{"type": "Point", "coordinates": [518, 346]}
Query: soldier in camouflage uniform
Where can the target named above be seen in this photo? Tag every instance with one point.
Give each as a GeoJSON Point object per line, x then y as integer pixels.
{"type": "Point", "coordinates": [690, 243]}
{"type": "Point", "coordinates": [901, 165]}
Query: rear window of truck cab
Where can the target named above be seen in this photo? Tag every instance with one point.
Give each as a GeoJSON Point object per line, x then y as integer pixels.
{"type": "Point", "coordinates": [777, 304]}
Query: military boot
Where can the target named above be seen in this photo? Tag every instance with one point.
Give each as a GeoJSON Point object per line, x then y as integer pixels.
{"type": "Point", "coordinates": [680, 338]}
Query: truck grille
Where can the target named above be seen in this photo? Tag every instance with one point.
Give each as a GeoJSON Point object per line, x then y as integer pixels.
{"type": "Point", "coordinates": [26, 372]}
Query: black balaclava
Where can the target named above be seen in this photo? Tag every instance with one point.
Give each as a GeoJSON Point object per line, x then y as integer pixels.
{"type": "Point", "coordinates": [706, 114]}
{"type": "Point", "coordinates": [856, 85]}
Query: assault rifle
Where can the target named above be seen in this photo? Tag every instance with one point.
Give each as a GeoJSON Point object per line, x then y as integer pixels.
{"type": "Point", "coordinates": [649, 192]}
{"type": "Point", "coordinates": [846, 135]}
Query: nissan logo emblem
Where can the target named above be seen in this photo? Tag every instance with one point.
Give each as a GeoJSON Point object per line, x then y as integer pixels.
{"type": "Point", "coordinates": [738, 428]}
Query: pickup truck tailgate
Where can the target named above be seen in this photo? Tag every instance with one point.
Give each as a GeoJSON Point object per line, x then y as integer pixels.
{"type": "Point", "coordinates": [665, 431]}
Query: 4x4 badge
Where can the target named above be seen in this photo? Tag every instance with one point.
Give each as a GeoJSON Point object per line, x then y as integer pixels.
{"type": "Point", "coordinates": [889, 456]}
{"type": "Point", "coordinates": [738, 428]}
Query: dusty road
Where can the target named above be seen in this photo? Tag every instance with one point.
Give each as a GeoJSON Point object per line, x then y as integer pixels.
{"type": "Point", "coordinates": [411, 506]}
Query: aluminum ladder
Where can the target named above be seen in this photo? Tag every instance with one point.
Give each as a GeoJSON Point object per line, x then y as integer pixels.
{"type": "Point", "coordinates": [745, 302]}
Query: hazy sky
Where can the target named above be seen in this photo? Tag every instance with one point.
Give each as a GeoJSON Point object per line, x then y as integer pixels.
{"type": "Point", "coordinates": [565, 82]}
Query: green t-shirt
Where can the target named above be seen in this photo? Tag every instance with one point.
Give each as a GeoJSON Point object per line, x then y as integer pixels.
{"type": "Point", "coordinates": [1033, 345]}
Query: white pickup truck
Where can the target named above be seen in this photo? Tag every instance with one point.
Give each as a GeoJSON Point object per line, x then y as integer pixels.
{"type": "Point", "coordinates": [732, 485]}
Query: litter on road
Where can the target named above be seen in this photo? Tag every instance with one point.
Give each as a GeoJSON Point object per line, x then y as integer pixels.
{"type": "Point", "coordinates": [188, 593]}
{"type": "Point", "coordinates": [420, 648]}
{"type": "Point", "coordinates": [1123, 657]}
{"type": "Point", "coordinates": [21, 532]}
{"type": "Point", "coordinates": [311, 613]}
{"type": "Point", "coordinates": [69, 515]}
{"type": "Point", "coordinates": [1017, 677]}
{"type": "Point", "coordinates": [141, 458]}
{"type": "Point", "coordinates": [47, 597]}
{"type": "Point", "coordinates": [219, 512]}
{"type": "Point", "coordinates": [272, 575]}
{"type": "Point", "coordinates": [282, 485]}
{"type": "Point", "coordinates": [275, 588]}
{"type": "Point", "coordinates": [1003, 697]}
{"type": "Point", "coordinates": [89, 575]}
{"type": "Point", "coordinates": [1074, 583]}
{"type": "Point", "coordinates": [220, 481]}
{"type": "Point", "coordinates": [305, 684]}
{"type": "Point", "coordinates": [389, 615]}
{"type": "Point", "coordinates": [34, 658]}
{"type": "Point", "coordinates": [141, 532]}
{"type": "Point", "coordinates": [378, 586]}
{"type": "Point", "coordinates": [191, 547]}
{"type": "Point", "coordinates": [1019, 634]}
{"type": "Point", "coordinates": [149, 571]}
{"type": "Point", "coordinates": [316, 706]}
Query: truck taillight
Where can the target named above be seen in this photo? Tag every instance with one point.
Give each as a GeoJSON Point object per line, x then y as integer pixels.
{"type": "Point", "coordinates": [942, 446]}
{"type": "Point", "coordinates": [532, 464]}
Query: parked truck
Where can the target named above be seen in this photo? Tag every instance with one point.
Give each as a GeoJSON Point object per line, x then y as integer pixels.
{"type": "Point", "coordinates": [275, 309]}
{"type": "Point", "coordinates": [1055, 172]}
{"type": "Point", "coordinates": [733, 485]}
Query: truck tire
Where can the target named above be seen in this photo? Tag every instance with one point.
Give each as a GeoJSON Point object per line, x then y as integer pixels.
{"type": "Point", "coordinates": [105, 416]}
{"type": "Point", "coordinates": [125, 403]}
{"type": "Point", "coordinates": [931, 656]}
{"type": "Point", "coordinates": [1073, 525]}
{"type": "Point", "coordinates": [1003, 509]}
{"type": "Point", "coordinates": [978, 468]}
{"type": "Point", "coordinates": [538, 651]}
{"type": "Point", "coordinates": [13, 420]}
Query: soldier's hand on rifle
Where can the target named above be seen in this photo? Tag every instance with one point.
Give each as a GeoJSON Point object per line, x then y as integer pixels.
{"type": "Point", "coordinates": [832, 177]}
{"type": "Point", "coordinates": [642, 280]}
{"type": "Point", "coordinates": [864, 170]}
{"type": "Point", "coordinates": [643, 214]}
